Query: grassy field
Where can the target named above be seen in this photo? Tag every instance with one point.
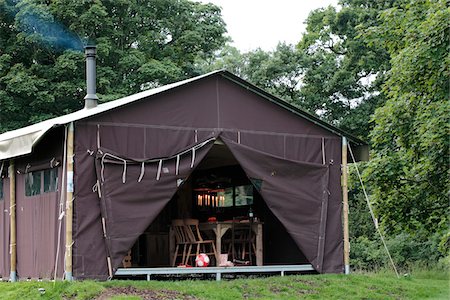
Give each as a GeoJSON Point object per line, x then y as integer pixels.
{"type": "Point", "coordinates": [425, 285]}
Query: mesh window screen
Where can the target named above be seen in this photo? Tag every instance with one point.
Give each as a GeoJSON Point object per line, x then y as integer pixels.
{"type": "Point", "coordinates": [50, 180]}
{"type": "Point", "coordinates": [33, 183]}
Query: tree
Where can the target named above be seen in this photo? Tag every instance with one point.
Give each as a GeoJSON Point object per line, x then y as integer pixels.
{"type": "Point", "coordinates": [278, 72]}
{"type": "Point", "coordinates": [410, 158]}
{"type": "Point", "coordinates": [333, 72]}
{"type": "Point", "coordinates": [141, 44]}
{"type": "Point", "coordinates": [343, 72]}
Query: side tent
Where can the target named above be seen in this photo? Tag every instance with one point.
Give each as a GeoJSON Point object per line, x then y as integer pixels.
{"type": "Point", "coordinates": [39, 231]}
{"type": "Point", "coordinates": [4, 223]}
{"type": "Point", "coordinates": [130, 161]}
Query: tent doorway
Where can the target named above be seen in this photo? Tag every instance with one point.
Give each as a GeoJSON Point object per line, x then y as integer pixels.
{"type": "Point", "coordinates": [218, 171]}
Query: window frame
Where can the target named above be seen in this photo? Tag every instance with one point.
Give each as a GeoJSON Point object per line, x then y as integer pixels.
{"type": "Point", "coordinates": [42, 186]}
{"type": "Point", "coordinates": [234, 204]}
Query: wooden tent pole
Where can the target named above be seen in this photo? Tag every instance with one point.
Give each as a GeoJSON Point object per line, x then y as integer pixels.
{"type": "Point", "coordinates": [69, 203]}
{"type": "Point", "coordinates": [12, 221]}
{"type": "Point", "coordinates": [345, 204]}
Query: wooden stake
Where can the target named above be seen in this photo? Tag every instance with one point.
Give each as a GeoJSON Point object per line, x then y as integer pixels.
{"type": "Point", "coordinates": [69, 203]}
{"type": "Point", "coordinates": [12, 221]}
{"type": "Point", "coordinates": [345, 204]}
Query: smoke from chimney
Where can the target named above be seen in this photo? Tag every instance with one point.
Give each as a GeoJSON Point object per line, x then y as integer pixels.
{"type": "Point", "coordinates": [91, 98]}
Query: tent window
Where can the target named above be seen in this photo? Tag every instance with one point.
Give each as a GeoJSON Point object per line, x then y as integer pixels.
{"type": "Point", "coordinates": [228, 197]}
{"type": "Point", "coordinates": [243, 195]}
{"type": "Point", "coordinates": [33, 183]}
{"type": "Point", "coordinates": [50, 180]}
{"type": "Point", "coordinates": [1, 189]}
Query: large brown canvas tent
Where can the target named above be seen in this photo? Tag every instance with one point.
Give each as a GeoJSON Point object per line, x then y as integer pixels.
{"type": "Point", "coordinates": [133, 156]}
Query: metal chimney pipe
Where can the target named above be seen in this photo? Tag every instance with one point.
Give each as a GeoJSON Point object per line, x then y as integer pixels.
{"type": "Point", "coordinates": [91, 98]}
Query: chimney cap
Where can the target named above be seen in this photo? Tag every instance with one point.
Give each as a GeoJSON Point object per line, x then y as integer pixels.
{"type": "Point", "coordinates": [90, 50]}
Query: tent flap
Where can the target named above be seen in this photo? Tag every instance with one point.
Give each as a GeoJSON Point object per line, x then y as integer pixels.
{"type": "Point", "coordinates": [133, 193]}
{"type": "Point", "coordinates": [296, 193]}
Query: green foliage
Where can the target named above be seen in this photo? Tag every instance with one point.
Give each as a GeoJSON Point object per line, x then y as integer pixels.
{"type": "Point", "coordinates": [407, 251]}
{"type": "Point", "coordinates": [343, 72]}
{"type": "Point", "coordinates": [333, 72]}
{"type": "Point", "coordinates": [278, 72]}
{"type": "Point", "coordinates": [408, 248]}
{"type": "Point", "coordinates": [141, 44]}
{"type": "Point", "coordinates": [410, 158]}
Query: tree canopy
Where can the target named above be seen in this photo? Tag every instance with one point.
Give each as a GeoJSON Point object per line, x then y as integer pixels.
{"type": "Point", "coordinates": [141, 44]}
{"type": "Point", "coordinates": [333, 72]}
{"type": "Point", "coordinates": [409, 171]}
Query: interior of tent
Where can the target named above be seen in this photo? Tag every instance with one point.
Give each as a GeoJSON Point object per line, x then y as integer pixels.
{"type": "Point", "coordinates": [217, 191]}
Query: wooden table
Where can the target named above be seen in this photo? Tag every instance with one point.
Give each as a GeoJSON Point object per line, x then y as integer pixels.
{"type": "Point", "coordinates": [220, 228]}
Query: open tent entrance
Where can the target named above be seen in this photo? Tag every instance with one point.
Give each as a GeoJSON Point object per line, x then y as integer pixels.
{"type": "Point", "coordinates": [134, 192]}
{"type": "Point", "coordinates": [218, 174]}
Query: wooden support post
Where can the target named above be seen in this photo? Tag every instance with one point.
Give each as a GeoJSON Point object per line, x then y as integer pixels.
{"type": "Point", "coordinates": [345, 204]}
{"type": "Point", "coordinates": [12, 221]}
{"type": "Point", "coordinates": [69, 203]}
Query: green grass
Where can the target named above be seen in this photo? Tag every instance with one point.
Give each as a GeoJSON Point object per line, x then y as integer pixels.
{"type": "Point", "coordinates": [382, 285]}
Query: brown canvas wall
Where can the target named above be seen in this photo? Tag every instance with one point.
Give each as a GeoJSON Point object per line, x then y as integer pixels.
{"type": "Point", "coordinates": [4, 231]}
{"type": "Point", "coordinates": [89, 249]}
{"type": "Point", "coordinates": [163, 124]}
{"type": "Point", "coordinates": [37, 216]}
{"type": "Point", "coordinates": [37, 232]}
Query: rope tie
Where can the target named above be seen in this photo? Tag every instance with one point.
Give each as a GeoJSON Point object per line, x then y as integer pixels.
{"type": "Point", "coordinates": [158, 174]}
{"type": "Point", "coordinates": [11, 247]}
{"type": "Point", "coordinates": [90, 152]}
{"type": "Point", "coordinates": [193, 158]}
{"type": "Point", "coordinates": [124, 174]}
{"type": "Point", "coordinates": [61, 202]}
{"type": "Point", "coordinates": [196, 136]}
{"type": "Point", "coordinates": [104, 227]}
{"type": "Point", "coordinates": [11, 207]}
{"type": "Point", "coordinates": [142, 172]}
{"type": "Point", "coordinates": [323, 151]}
{"type": "Point", "coordinates": [51, 162]}
{"type": "Point", "coordinates": [98, 135]}
{"type": "Point", "coordinates": [159, 160]}
{"type": "Point", "coordinates": [177, 165]}
{"type": "Point", "coordinates": [99, 190]}
{"type": "Point", "coordinates": [102, 170]}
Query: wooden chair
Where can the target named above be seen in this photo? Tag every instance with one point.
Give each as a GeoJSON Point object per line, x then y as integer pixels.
{"type": "Point", "coordinates": [195, 239]}
{"type": "Point", "coordinates": [181, 239]}
{"type": "Point", "coordinates": [243, 242]}
{"type": "Point", "coordinates": [126, 262]}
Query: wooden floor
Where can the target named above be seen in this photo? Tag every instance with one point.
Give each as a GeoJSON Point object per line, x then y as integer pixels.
{"type": "Point", "coordinates": [218, 271]}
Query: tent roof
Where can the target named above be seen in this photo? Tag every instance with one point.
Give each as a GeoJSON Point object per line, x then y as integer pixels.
{"type": "Point", "coordinates": [21, 141]}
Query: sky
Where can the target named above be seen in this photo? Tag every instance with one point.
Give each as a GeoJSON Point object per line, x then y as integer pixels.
{"type": "Point", "coordinates": [263, 23]}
